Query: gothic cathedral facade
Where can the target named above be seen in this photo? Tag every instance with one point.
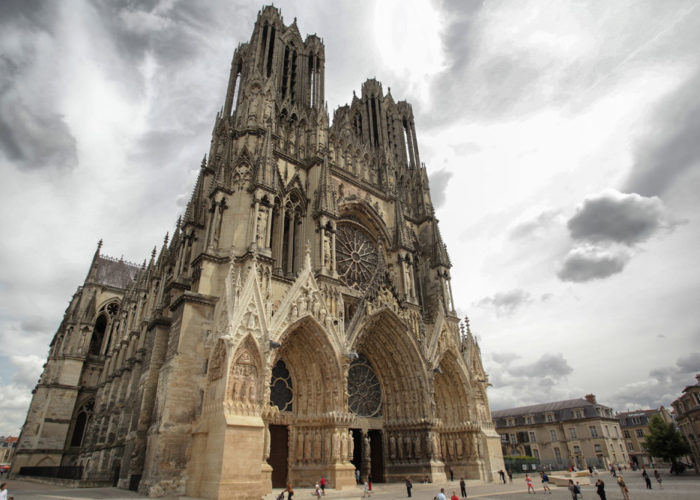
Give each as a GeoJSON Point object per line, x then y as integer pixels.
{"type": "Point", "coordinates": [299, 323]}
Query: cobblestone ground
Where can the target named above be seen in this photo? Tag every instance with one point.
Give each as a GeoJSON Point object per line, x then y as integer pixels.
{"type": "Point", "coordinates": [685, 487]}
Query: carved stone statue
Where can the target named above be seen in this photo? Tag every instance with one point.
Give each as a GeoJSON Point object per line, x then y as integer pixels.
{"type": "Point", "coordinates": [261, 235]}
{"type": "Point", "coordinates": [392, 446]}
{"type": "Point", "coordinates": [300, 446]}
{"type": "Point", "coordinates": [336, 446]}
{"type": "Point", "coordinates": [351, 446]}
{"type": "Point", "coordinates": [266, 448]}
{"type": "Point", "coordinates": [317, 446]}
{"type": "Point", "coordinates": [366, 447]}
{"type": "Point", "coordinates": [418, 452]}
{"type": "Point", "coordinates": [307, 446]}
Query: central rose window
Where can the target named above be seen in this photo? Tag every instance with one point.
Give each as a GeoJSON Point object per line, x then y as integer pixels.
{"type": "Point", "coordinates": [356, 255]}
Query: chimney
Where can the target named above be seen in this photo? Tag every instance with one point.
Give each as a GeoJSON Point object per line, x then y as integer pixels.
{"type": "Point", "coordinates": [591, 398]}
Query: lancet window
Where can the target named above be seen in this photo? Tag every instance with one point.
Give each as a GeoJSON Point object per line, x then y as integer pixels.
{"type": "Point", "coordinates": [287, 236]}
{"type": "Point", "coordinates": [82, 419]}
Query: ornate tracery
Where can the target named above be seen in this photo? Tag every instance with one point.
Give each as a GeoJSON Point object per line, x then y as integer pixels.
{"type": "Point", "coordinates": [365, 393]}
{"type": "Point", "coordinates": [356, 255]}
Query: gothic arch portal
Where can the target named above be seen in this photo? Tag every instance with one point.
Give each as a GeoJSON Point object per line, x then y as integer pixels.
{"type": "Point", "coordinates": [315, 422]}
{"type": "Point", "coordinates": [457, 429]}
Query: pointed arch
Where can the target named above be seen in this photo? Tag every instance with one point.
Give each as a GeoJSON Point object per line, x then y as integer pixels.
{"type": "Point", "coordinates": [313, 364]}
{"type": "Point", "coordinates": [400, 367]}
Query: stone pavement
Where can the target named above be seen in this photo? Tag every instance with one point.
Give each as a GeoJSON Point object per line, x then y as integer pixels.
{"type": "Point", "coordinates": [685, 487]}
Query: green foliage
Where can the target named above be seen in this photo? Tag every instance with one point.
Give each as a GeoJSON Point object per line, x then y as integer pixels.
{"type": "Point", "coordinates": [525, 458]}
{"type": "Point", "coordinates": [664, 440]}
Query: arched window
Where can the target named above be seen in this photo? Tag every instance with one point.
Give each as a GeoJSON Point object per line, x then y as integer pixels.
{"type": "Point", "coordinates": [364, 391]}
{"type": "Point", "coordinates": [98, 334]}
{"type": "Point", "coordinates": [281, 387]}
{"type": "Point", "coordinates": [81, 422]}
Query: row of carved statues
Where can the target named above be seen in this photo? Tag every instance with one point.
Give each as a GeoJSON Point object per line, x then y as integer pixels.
{"type": "Point", "coordinates": [326, 445]}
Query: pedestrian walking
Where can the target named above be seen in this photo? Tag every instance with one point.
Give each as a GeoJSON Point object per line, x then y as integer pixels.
{"type": "Point", "coordinates": [463, 487]}
{"type": "Point", "coordinates": [452, 473]}
{"type": "Point", "coordinates": [572, 489]}
{"type": "Point", "coordinates": [510, 476]}
{"type": "Point", "coordinates": [290, 491]}
{"type": "Point", "coordinates": [409, 485]}
{"type": "Point", "coordinates": [366, 492]}
{"type": "Point", "coordinates": [357, 476]}
{"type": "Point", "coordinates": [646, 477]}
{"type": "Point", "coordinates": [600, 489]}
{"type": "Point", "coordinates": [454, 496]}
{"type": "Point", "coordinates": [502, 476]}
{"type": "Point", "coordinates": [3, 492]}
{"type": "Point", "coordinates": [323, 485]}
{"type": "Point", "coordinates": [528, 480]}
{"type": "Point", "coordinates": [623, 488]}
{"type": "Point", "coordinates": [657, 476]}
{"type": "Point", "coordinates": [441, 495]}
{"type": "Point", "coordinates": [545, 482]}
{"type": "Point", "coordinates": [579, 492]}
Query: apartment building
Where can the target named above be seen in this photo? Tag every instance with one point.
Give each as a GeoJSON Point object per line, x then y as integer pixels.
{"type": "Point", "coordinates": [635, 428]}
{"type": "Point", "coordinates": [576, 432]}
{"type": "Point", "coordinates": [687, 410]}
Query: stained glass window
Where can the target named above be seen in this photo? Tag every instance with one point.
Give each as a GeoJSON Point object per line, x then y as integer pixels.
{"type": "Point", "coordinates": [281, 387]}
{"type": "Point", "coordinates": [364, 389]}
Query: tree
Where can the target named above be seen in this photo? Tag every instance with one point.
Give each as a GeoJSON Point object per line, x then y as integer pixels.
{"type": "Point", "coordinates": [664, 441]}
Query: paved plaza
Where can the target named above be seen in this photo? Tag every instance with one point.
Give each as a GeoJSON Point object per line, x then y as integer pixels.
{"type": "Point", "coordinates": [685, 487]}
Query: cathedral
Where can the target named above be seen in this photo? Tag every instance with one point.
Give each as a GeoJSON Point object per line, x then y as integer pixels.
{"type": "Point", "coordinates": [299, 322]}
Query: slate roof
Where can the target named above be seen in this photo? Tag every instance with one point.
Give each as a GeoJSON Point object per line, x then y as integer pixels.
{"type": "Point", "coordinates": [541, 408]}
{"type": "Point", "coordinates": [115, 273]}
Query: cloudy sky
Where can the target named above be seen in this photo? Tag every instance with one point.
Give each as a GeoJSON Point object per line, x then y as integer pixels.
{"type": "Point", "coordinates": [562, 141]}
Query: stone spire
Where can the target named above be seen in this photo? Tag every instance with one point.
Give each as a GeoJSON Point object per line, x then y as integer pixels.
{"type": "Point", "coordinates": [326, 201]}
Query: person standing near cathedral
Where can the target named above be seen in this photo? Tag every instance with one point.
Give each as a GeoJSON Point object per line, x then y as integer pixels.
{"type": "Point", "coordinates": [3, 492]}
{"type": "Point", "coordinates": [463, 487]}
{"type": "Point", "coordinates": [600, 489]}
{"type": "Point", "coordinates": [657, 476]}
{"type": "Point", "coordinates": [323, 485]}
{"type": "Point", "coordinates": [452, 473]}
{"type": "Point", "coordinates": [409, 485]}
{"type": "Point", "coordinates": [646, 477]}
{"type": "Point", "coordinates": [545, 482]}
{"type": "Point", "coordinates": [441, 495]}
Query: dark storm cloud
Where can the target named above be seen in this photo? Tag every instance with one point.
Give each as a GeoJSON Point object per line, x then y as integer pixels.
{"type": "Point", "coordinates": [671, 148]}
{"type": "Point", "coordinates": [589, 263]}
{"type": "Point", "coordinates": [506, 303]}
{"type": "Point", "coordinates": [613, 217]}
{"type": "Point", "coordinates": [438, 186]}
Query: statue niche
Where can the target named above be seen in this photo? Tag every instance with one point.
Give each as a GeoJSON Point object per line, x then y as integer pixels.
{"type": "Point", "coordinates": [245, 376]}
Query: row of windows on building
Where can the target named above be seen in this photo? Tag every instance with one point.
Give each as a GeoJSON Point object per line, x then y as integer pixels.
{"type": "Point", "coordinates": [573, 435]}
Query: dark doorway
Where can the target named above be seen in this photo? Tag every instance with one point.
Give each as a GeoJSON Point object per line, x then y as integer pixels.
{"type": "Point", "coordinates": [279, 451]}
{"type": "Point", "coordinates": [116, 467]}
{"type": "Point", "coordinates": [357, 451]}
{"type": "Point", "coordinates": [377, 455]}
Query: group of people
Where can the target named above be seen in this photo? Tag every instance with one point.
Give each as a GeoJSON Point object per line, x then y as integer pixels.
{"type": "Point", "coordinates": [574, 488]}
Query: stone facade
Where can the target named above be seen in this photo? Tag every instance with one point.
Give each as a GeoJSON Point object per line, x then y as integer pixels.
{"type": "Point", "coordinates": [635, 427]}
{"type": "Point", "coordinates": [687, 412]}
{"type": "Point", "coordinates": [299, 323]}
{"type": "Point", "coordinates": [561, 434]}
